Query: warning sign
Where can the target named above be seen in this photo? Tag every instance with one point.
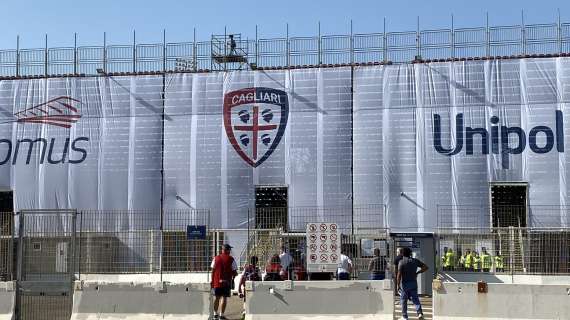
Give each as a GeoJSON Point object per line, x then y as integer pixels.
{"type": "Point", "coordinates": [323, 246]}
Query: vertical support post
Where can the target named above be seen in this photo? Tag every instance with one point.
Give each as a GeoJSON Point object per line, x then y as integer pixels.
{"type": "Point", "coordinates": [523, 34]}
{"type": "Point", "coordinates": [288, 49]}
{"type": "Point", "coordinates": [248, 234]}
{"type": "Point", "coordinates": [385, 42]}
{"type": "Point", "coordinates": [20, 259]}
{"type": "Point", "coordinates": [18, 56]}
{"type": "Point", "coordinates": [320, 45]}
{"type": "Point", "coordinates": [256, 47]}
{"type": "Point", "coordinates": [559, 33]}
{"type": "Point", "coordinates": [164, 50]}
{"type": "Point", "coordinates": [225, 48]}
{"type": "Point", "coordinates": [80, 236]}
{"type": "Point", "coordinates": [134, 51]}
{"type": "Point", "coordinates": [488, 38]}
{"type": "Point", "coordinates": [418, 44]}
{"type": "Point", "coordinates": [105, 52]}
{"type": "Point", "coordinates": [452, 38]}
{"type": "Point", "coordinates": [351, 44]}
{"type": "Point", "coordinates": [46, 59]}
{"type": "Point", "coordinates": [73, 248]}
{"type": "Point", "coordinates": [194, 54]}
{"type": "Point", "coordinates": [75, 54]}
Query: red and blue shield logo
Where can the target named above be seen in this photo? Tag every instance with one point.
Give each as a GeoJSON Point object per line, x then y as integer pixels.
{"type": "Point", "coordinates": [255, 120]}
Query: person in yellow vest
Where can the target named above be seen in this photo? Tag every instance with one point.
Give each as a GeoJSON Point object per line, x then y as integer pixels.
{"type": "Point", "coordinates": [499, 266]}
{"type": "Point", "coordinates": [486, 261]}
{"type": "Point", "coordinates": [461, 263]}
{"type": "Point", "coordinates": [442, 262]}
{"type": "Point", "coordinates": [476, 262]}
{"type": "Point", "coordinates": [449, 264]}
{"type": "Point", "coordinates": [468, 261]}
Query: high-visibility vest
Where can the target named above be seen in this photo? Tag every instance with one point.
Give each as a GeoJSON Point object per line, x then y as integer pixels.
{"type": "Point", "coordinates": [486, 262]}
{"type": "Point", "coordinates": [449, 259]}
{"type": "Point", "coordinates": [476, 261]}
{"type": "Point", "coordinates": [498, 262]}
{"type": "Point", "coordinates": [462, 261]}
{"type": "Point", "coordinates": [469, 261]}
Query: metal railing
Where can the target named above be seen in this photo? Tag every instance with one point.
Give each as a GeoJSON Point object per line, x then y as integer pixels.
{"type": "Point", "coordinates": [394, 47]}
{"type": "Point", "coordinates": [485, 216]}
{"type": "Point", "coordinates": [511, 250]}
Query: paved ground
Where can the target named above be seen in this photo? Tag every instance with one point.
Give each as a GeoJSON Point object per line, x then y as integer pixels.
{"type": "Point", "coordinates": [235, 308]}
{"type": "Point", "coordinates": [427, 308]}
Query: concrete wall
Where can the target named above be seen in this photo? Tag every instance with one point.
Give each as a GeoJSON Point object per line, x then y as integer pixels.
{"type": "Point", "coordinates": [337, 300]}
{"type": "Point", "coordinates": [502, 278]}
{"type": "Point", "coordinates": [460, 300]}
{"type": "Point", "coordinates": [150, 300]}
{"type": "Point", "coordinates": [7, 300]}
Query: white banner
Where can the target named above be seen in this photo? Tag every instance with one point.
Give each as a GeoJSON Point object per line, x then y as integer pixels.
{"type": "Point", "coordinates": [412, 137]}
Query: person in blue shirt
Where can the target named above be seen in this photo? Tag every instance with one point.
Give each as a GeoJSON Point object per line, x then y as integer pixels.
{"type": "Point", "coordinates": [407, 283]}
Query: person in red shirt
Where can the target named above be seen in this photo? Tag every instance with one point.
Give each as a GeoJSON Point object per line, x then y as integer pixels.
{"type": "Point", "coordinates": [224, 269]}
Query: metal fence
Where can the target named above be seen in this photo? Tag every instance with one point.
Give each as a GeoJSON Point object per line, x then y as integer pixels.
{"type": "Point", "coordinates": [485, 216]}
{"type": "Point", "coordinates": [270, 230]}
{"type": "Point", "coordinates": [395, 47]}
{"type": "Point", "coordinates": [544, 251]}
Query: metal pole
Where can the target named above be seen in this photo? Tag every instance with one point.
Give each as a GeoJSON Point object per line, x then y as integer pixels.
{"type": "Point", "coordinates": [559, 33]}
{"type": "Point", "coordinates": [452, 38]}
{"type": "Point", "coordinates": [287, 46]}
{"type": "Point", "coordinates": [194, 55]}
{"type": "Point", "coordinates": [320, 47]}
{"type": "Point", "coordinates": [17, 56]}
{"type": "Point", "coordinates": [523, 34]}
{"type": "Point", "coordinates": [418, 45]}
{"type": "Point", "coordinates": [256, 47]}
{"type": "Point", "coordinates": [105, 52]}
{"type": "Point", "coordinates": [488, 38]}
{"type": "Point", "coordinates": [385, 42]}
{"type": "Point", "coordinates": [225, 48]}
{"type": "Point", "coordinates": [351, 44]}
{"type": "Point", "coordinates": [134, 51]}
{"type": "Point", "coordinates": [164, 50]}
{"type": "Point", "coordinates": [75, 53]}
{"type": "Point", "coordinates": [46, 57]}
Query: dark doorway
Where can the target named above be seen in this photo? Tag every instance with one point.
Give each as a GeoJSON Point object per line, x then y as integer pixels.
{"type": "Point", "coordinates": [6, 201]}
{"type": "Point", "coordinates": [270, 207]}
{"type": "Point", "coordinates": [508, 205]}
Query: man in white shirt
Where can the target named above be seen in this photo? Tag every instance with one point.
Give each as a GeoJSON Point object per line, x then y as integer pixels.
{"type": "Point", "coordinates": [286, 261]}
{"type": "Point", "coordinates": [344, 267]}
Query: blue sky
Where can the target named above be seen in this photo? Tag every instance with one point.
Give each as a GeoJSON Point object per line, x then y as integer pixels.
{"type": "Point", "coordinates": [32, 19]}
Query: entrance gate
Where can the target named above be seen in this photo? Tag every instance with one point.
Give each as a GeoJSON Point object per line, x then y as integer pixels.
{"type": "Point", "coordinates": [46, 241]}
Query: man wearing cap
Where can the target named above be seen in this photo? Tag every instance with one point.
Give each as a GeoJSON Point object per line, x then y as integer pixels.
{"type": "Point", "coordinates": [224, 269]}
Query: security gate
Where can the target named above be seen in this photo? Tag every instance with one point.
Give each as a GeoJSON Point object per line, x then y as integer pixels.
{"type": "Point", "coordinates": [46, 246]}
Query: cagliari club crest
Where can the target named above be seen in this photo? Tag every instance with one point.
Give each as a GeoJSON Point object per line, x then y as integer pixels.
{"type": "Point", "coordinates": [255, 120]}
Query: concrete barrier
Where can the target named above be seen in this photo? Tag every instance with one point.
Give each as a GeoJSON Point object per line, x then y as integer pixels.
{"type": "Point", "coordinates": [339, 300]}
{"type": "Point", "coordinates": [132, 300]}
{"type": "Point", "coordinates": [461, 300]}
{"type": "Point", "coordinates": [7, 300]}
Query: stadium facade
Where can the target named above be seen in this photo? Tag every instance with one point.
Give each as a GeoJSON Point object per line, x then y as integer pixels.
{"type": "Point", "coordinates": [414, 138]}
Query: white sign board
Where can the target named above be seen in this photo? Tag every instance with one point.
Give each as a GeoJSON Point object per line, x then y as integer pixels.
{"type": "Point", "coordinates": [323, 247]}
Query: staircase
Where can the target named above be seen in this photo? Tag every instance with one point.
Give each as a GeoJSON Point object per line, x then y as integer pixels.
{"type": "Point", "coordinates": [427, 307]}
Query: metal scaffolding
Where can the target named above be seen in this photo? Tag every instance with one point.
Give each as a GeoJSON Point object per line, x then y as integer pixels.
{"type": "Point", "coordinates": [551, 39]}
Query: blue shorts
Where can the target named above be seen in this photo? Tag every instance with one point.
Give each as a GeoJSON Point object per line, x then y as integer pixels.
{"type": "Point", "coordinates": [343, 276]}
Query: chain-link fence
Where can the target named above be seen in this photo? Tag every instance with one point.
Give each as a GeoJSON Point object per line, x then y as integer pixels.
{"type": "Point", "coordinates": [397, 47]}
{"type": "Point", "coordinates": [511, 250]}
